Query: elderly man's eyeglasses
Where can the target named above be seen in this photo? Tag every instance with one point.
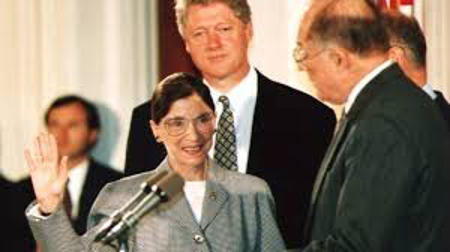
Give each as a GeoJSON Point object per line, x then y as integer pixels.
{"type": "Point", "coordinates": [301, 55]}
{"type": "Point", "coordinates": [179, 125]}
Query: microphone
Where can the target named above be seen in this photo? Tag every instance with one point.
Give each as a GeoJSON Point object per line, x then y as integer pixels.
{"type": "Point", "coordinates": [159, 189]}
{"type": "Point", "coordinates": [117, 215]}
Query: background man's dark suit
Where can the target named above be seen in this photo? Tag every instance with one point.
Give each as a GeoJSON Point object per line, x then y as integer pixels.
{"type": "Point", "coordinates": [290, 134]}
{"type": "Point", "coordinates": [97, 177]}
{"type": "Point", "coordinates": [12, 234]}
{"type": "Point", "coordinates": [384, 182]}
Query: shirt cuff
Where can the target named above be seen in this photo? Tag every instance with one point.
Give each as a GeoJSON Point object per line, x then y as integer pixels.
{"type": "Point", "coordinates": [34, 212]}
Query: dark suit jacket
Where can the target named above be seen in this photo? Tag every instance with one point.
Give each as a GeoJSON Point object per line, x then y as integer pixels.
{"type": "Point", "coordinates": [12, 234]}
{"type": "Point", "coordinates": [97, 177]}
{"type": "Point", "coordinates": [444, 107]}
{"type": "Point", "coordinates": [384, 182]}
{"type": "Point", "coordinates": [291, 131]}
{"type": "Point", "coordinates": [238, 215]}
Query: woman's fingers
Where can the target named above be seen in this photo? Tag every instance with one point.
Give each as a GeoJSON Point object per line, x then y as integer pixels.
{"type": "Point", "coordinates": [48, 173]}
{"type": "Point", "coordinates": [30, 161]}
{"type": "Point", "coordinates": [44, 144]}
{"type": "Point", "coordinates": [43, 157]}
{"type": "Point", "coordinates": [53, 148]}
{"type": "Point", "coordinates": [37, 157]}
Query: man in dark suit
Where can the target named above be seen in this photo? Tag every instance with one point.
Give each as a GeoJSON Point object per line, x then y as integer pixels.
{"type": "Point", "coordinates": [409, 50]}
{"type": "Point", "coordinates": [12, 232]}
{"type": "Point", "coordinates": [281, 134]}
{"type": "Point", "coordinates": [384, 181]}
{"type": "Point", "coordinates": [75, 123]}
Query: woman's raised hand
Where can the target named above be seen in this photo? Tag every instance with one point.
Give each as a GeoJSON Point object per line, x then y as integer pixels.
{"type": "Point", "coordinates": [48, 172]}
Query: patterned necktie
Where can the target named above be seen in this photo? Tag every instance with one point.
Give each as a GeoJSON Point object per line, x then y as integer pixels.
{"type": "Point", "coordinates": [225, 148]}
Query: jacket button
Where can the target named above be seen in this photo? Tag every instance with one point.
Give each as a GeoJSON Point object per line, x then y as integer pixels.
{"type": "Point", "coordinates": [199, 238]}
{"type": "Point", "coordinates": [212, 196]}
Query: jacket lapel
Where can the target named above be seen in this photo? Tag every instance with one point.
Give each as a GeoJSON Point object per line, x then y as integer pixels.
{"type": "Point", "coordinates": [256, 141]}
{"type": "Point", "coordinates": [329, 157]}
{"type": "Point", "coordinates": [327, 163]}
{"type": "Point", "coordinates": [87, 197]}
{"type": "Point", "coordinates": [215, 197]}
{"type": "Point", "coordinates": [179, 209]}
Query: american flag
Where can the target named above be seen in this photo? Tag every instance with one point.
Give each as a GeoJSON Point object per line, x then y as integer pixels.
{"type": "Point", "coordinates": [405, 6]}
{"type": "Point", "coordinates": [395, 4]}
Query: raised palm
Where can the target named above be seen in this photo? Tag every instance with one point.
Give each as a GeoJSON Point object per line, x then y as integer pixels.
{"type": "Point", "coordinates": [48, 173]}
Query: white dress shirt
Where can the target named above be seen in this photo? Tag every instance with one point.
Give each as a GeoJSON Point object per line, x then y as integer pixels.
{"type": "Point", "coordinates": [242, 104]}
{"type": "Point", "coordinates": [429, 90]}
{"type": "Point", "coordinates": [195, 193]}
{"type": "Point", "coordinates": [77, 178]}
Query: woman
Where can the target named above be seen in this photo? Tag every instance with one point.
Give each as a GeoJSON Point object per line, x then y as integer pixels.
{"type": "Point", "coordinates": [220, 210]}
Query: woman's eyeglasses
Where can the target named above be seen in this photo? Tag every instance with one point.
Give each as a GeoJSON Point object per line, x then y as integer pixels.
{"type": "Point", "coordinates": [179, 125]}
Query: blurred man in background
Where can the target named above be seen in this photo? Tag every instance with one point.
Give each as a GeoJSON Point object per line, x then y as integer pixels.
{"type": "Point", "coordinates": [75, 123]}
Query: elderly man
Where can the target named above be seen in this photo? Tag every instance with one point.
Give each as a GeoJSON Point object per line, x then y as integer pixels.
{"type": "Point", "coordinates": [383, 182]}
{"type": "Point", "coordinates": [276, 133]}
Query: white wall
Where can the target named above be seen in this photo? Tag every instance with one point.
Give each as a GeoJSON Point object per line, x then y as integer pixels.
{"type": "Point", "coordinates": [436, 23]}
{"type": "Point", "coordinates": [276, 24]}
{"type": "Point", "coordinates": [100, 49]}
{"type": "Point", "coordinates": [105, 50]}
{"type": "Point", "coordinates": [275, 32]}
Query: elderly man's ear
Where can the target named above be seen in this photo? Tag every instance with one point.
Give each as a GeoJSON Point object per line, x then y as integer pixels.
{"type": "Point", "coordinates": [397, 54]}
{"type": "Point", "coordinates": [340, 57]}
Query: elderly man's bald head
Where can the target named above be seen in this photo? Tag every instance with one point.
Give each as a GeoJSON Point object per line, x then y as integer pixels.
{"type": "Point", "coordinates": [351, 24]}
{"type": "Point", "coordinates": [315, 8]}
{"type": "Point", "coordinates": [339, 42]}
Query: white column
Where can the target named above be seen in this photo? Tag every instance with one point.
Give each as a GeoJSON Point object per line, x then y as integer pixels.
{"type": "Point", "coordinates": [436, 25]}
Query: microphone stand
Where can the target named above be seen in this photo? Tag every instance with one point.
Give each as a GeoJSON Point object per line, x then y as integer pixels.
{"type": "Point", "coordinates": [119, 225]}
{"type": "Point", "coordinates": [120, 230]}
{"type": "Point", "coordinates": [123, 243]}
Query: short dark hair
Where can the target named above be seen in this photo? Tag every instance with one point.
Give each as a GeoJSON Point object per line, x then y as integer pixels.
{"type": "Point", "coordinates": [405, 31]}
{"type": "Point", "coordinates": [175, 87]}
{"type": "Point", "coordinates": [351, 24]}
{"type": "Point", "coordinates": [93, 118]}
{"type": "Point", "coordinates": [240, 8]}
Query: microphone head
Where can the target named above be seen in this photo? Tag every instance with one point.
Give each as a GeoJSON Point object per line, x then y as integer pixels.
{"type": "Point", "coordinates": [147, 185]}
{"type": "Point", "coordinates": [170, 185]}
{"type": "Point", "coordinates": [161, 187]}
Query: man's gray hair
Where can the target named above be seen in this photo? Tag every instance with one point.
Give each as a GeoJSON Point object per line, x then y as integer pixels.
{"type": "Point", "coordinates": [241, 10]}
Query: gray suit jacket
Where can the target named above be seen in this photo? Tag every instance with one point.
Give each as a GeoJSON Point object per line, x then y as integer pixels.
{"type": "Point", "coordinates": [384, 183]}
{"type": "Point", "coordinates": [238, 215]}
